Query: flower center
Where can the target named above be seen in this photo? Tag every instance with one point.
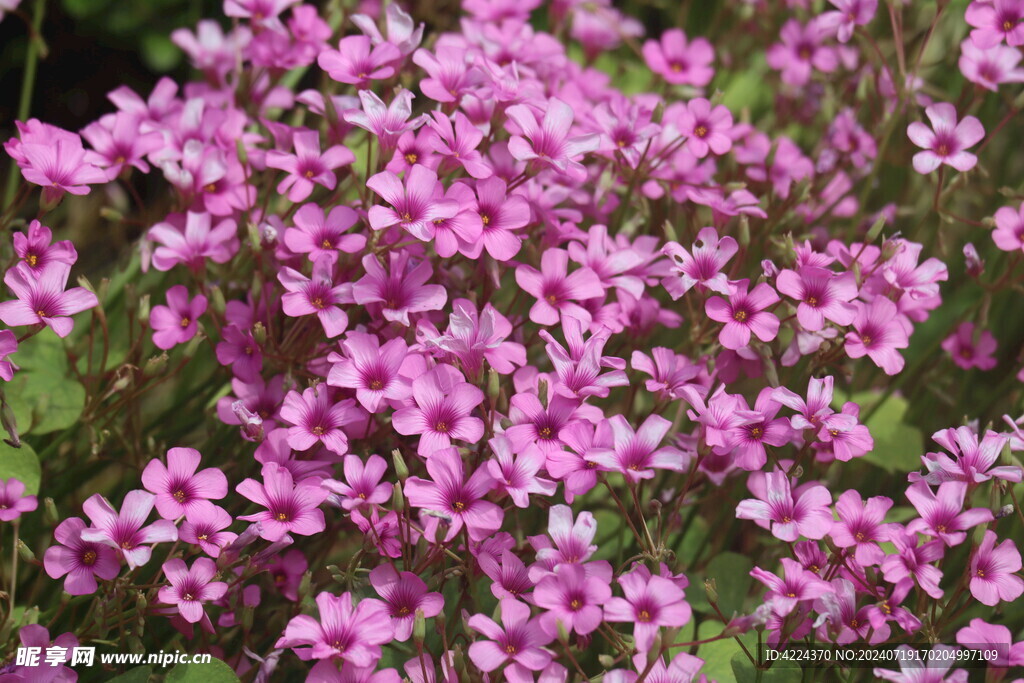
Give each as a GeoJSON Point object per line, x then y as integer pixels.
{"type": "Point", "coordinates": [756, 432]}
{"type": "Point", "coordinates": [576, 604]}
{"type": "Point", "coordinates": [942, 150]}
{"type": "Point", "coordinates": [203, 537]}
{"type": "Point", "coordinates": [281, 516]}
{"type": "Point", "coordinates": [326, 244]}
{"type": "Point", "coordinates": [511, 649]}
{"type": "Point", "coordinates": [211, 188]}
{"type": "Point", "coordinates": [458, 506]}
{"type": "Point", "coordinates": [812, 301]}
{"type": "Point", "coordinates": [740, 316]}
{"type": "Point", "coordinates": [485, 219]}
{"type": "Point", "coordinates": [179, 496]}
{"type": "Point", "coordinates": [318, 430]}
{"type": "Point", "coordinates": [309, 173]}
{"type": "Point", "coordinates": [188, 597]}
{"type": "Point", "coordinates": [643, 616]}
{"type": "Point", "coordinates": [700, 131]}
{"type": "Point", "coordinates": [403, 611]}
{"type": "Point", "coordinates": [786, 519]}
{"type": "Point", "coordinates": [185, 322]}
{"type": "Point", "coordinates": [406, 217]}
{"type": "Point", "coordinates": [865, 340]}
{"type": "Point", "coordinates": [885, 607]}
{"type": "Point", "coordinates": [317, 302]}
{"type": "Point", "coordinates": [42, 313]}
{"type": "Point", "coordinates": [544, 433]}
{"type": "Point", "coordinates": [32, 260]}
{"type": "Point", "coordinates": [89, 558]}
{"type": "Point", "coordinates": [859, 535]}
{"type": "Point", "coordinates": [376, 385]}
{"type": "Point", "coordinates": [1007, 25]}
{"type": "Point", "coordinates": [791, 594]}
{"type": "Point", "coordinates": [981, 573]}
{"type": "Point", "coordinates": [441, 427]}
{"type": "Point", "coordinates": [411, 158]}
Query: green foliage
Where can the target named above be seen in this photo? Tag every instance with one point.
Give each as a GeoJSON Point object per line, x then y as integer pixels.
{"type": "Point", "coordinates": [898, 445]}
{"type": "Point", "coordinates": [22, 464]}
{"type": "Point", "coordinates": [214, 672]}
{"type": "Point", "coordinates": [43, 397]}
{"type": "Point", "coordinates": [731, 572]}
{"type": "Point", "coordinates": [139, 674]}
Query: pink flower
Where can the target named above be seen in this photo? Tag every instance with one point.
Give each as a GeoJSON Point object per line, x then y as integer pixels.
{"type": "Point", "coordinates": [317, 418]}
{"type": "Point", "coordinates": [291, 508]}
{"type": "Point", "coordinates": [8, 345]}
{"type": "Point", "coordinates": [415, 204]}
{"type": "Point", "coordinates": [207, 531]}
{"type": "Point", "coordinates": [861, 526]}
{"type": "Point", "coordinates": [177, 322]}
{"type": "Point", "coordinates": [801, 51]}
{"type": "Point", "coordinates": [126, 531]}
{"type": "Point", "coordinates": [450, 73]}
{"type": "Point", "coordinates": [401, 291]}
{"type": "Point", "coordinates": [405, 594]}
{"type": "Point", "coordinates": [679, 61]}
{"type": "Point", "coordinates": [822, 295]}
{"type": "Point", "coordinates": [43, 300]}
{"type": "Point", "coordinates": [995, 22]}
{"type": "Point", "coordinates": [48, 668]}
{"type": "Point", "coordinates": [879, 331]}
{"type": "Point", "coordinates": [967, 353]}
{"type": "Point", "coordinates": [458, 144]}
{"type": "Point", "coordinates": [120, 141]}
{"type": "Point", "coordinates": [706, 128]}
{"type": "Point", "coordinates": [82, 561]}
{"type": "Point", "coordinates": [317, 295]}
{"type": "Point", "coordinates": [500, 215]}
{"type": "Point", "coordinates": [980, 635]}
{"type": "Point", "coordinates": [352, 634]}
{"type": "Point", "coordinates": [357, 62]}
{"type": "Point", "coordinates": [703, 266]}
{"type": "Point", "coordinates": [1009, 232]}
{"type": "Point", "coordinates": [308, 166]}
{"type": "Point", "coordinates": [402, 31]}
{"type": "Point", "coordinates": [990, 67]}
{"type": "Point", "coordinates": [192, 242]}
{"type": "Point", "coordinates": [362, 483]}
{"type": "Point", "coordinates": [580, 369]}
{"type": "Point", "coordinates": [179, 489]}
{"type": "Point", "coordinates": [13, 500]}
{"type": "Point", "coordinates": [547, 142]}
{"type": "Point", "coordinates": [570, 542]}
{"type": "Point", "coordinates": [973, 460]}
{"type": "Point", "coordinates": [36, 251]}
{"type": "Point", "coordinates": [59, 164]}
{"type": "Point", "coordinates": [636, 454]}
{"type": "Point", "coordinates": [946, 141]}
{"type": "Point", "coordinates": [929, 667]}
{"type": "Point", "coordinates": [744, 313]}
{"type": "Point", "coordinates": [650, 602]}
{"type": "Point", "coordinates": [789, 514]}
{"type": "Point", "coordinates": [993, 571]}
{"type": "Point", "coordinates": [371, 369]}
{"type": "Point", "coordinates": [798, 585]}
{"type": "Point", "coordinates": [573, 597]}
{"type": "Point", "coordinates": [455, 499]}
{"type": "Point", "coordinates": [555, 291]}
{"type": "Point", "coordinates": [847, 15]}
{"type": "Point", "coordinates": [474, 337]}
{"type": "Point", "coordinates": [913, 561]}
{"type": "Point", "coordinates": [521, 641]}
{"type": "Point", "coordinates": [442, 410]}
{"type": "Point", "coordinates": [191, 587]}
{"type": "Point", "coordinates": [577, 467]}
{"type": "Point", "coordinates": [517, 476]}
{"type": "Point", "coordinates": [387, 122]}
{"type": "Point", "coordinates": [942, 513]}
{"type": "Point", "coordinates": [317, 235]}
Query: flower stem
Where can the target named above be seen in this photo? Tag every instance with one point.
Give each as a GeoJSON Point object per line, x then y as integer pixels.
{"type": "Point", "coordinates": [27, 86]}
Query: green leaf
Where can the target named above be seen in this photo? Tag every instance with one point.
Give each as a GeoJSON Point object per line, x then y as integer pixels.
{"type": "Point", "coordinates": [214, 672]}
{"type": "Point", "coordinates": [717, 655]}
{"type": "Point", "coordinates": [43, 397]}
{"type": "Point", "coordinates": [22, 464]}
{"type": "Point", "coordinates": [898, 446]}
{"type": "Point", "coordinates": [780, 672]}
{"type": "Point", "coordinates": [45, 401]}
{"type": "Point", "coordinates": [731, 572]}
{"type": "Point", "coordinates": [139, 674]}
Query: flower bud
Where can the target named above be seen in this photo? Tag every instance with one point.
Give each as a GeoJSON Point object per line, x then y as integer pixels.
{"type": "Point", "coordinates": [111, 214]}
{"type": "Point", "coordinates": [217, 303]}
{"type": "Point", "coordinates": [255, 238]}
{"type": "Point", "coordinates": [144, 308]}
{"type": "Point", "coordinates": [50, 516]}
{"type": "Point", "coordinates": [876, 229]}
{"type": "Point", "coordinates": [336, 573]}
{"type": "Point", "coordinates": [9, 422]}
{"type": "Point", "coordinates": [397, 498]}
{"type": "Point", "coordinates": [670, 232]}
{"type": "Point", "coordinates": [606, 661]}
{"type": "Point", "coordinates": [304, 584]}
{"type": "Point", "coordinates": [419, 629]}
{"type": "Point", "coordinates": [156, 365]}
{"type": "Point", "coordinates": [25, 553]}
{"type": "Point", "coordinates": [711, 588]}
{"type": "Point", "coordinates": [563, 634]}
{"type": "Point", "coordinates": [493, 386]}
{"type": "Point", "coordinates": [975, 266]}
{"type": "Point", "coordinates": [259, 333]}
{"type": "Point", "coordinates": [400, 469]}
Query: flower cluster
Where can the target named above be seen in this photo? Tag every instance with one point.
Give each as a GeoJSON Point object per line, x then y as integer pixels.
{"type": "Point", "coordinates": [489, 357]}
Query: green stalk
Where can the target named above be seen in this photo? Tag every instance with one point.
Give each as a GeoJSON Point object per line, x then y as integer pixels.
{"type": "Point", "coordinates": [27, 85]}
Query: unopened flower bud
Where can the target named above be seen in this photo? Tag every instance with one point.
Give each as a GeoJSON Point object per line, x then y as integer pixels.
{"type": "Point", "coordinates": [397, 498]}
{"type": "Point", "coordinates": [400, 469]}
{"type": "Point", "coordinates": [563, 633]}
{"type": "Point", "coordinates": [156, 365]}
{"type": "Point", "coordinates": [769, 269]}
{"type": "Point", "coordinates": [419, 628]}
{"type": "Point", "coordinates": [711, 588]}
{"type": "Point", "coordinates": [255, 238]}
{"type": "Point", "coordinates": [217, 303]}
{"type": "Point", "coordinates": [304, 584]}
{"type": "Point", "coordinates": [670, 232]}
{"type": "Point", "coordinates": [144, 310]}
{"type": "Point", "coordinates": [9, 422]}
{"type": "Point", "coordinates": [336, 573]}
{"type": "Point", "coordinates": [542, 391]}
{"type": "Point", "coordinates": [606, 661]}
{"type": "Point", "coordinates": [241, 151]}
{"type": "Point", "coordinates": [493, 385]}
{"type": "Point", "coordinates": [975, 266]}
{"type": "Point", "coordinates": [744, 236]}
{"type": "Point", "coordinates": [259, 333]}
{"type": "Point", "coordinates": [111, 214]}
{"type": "Point", "coordinates": [876, 229]}
{"type": "Point", "coordinates": [25, 553]}
{"type": "Point", "coordinates": [50, 515]}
